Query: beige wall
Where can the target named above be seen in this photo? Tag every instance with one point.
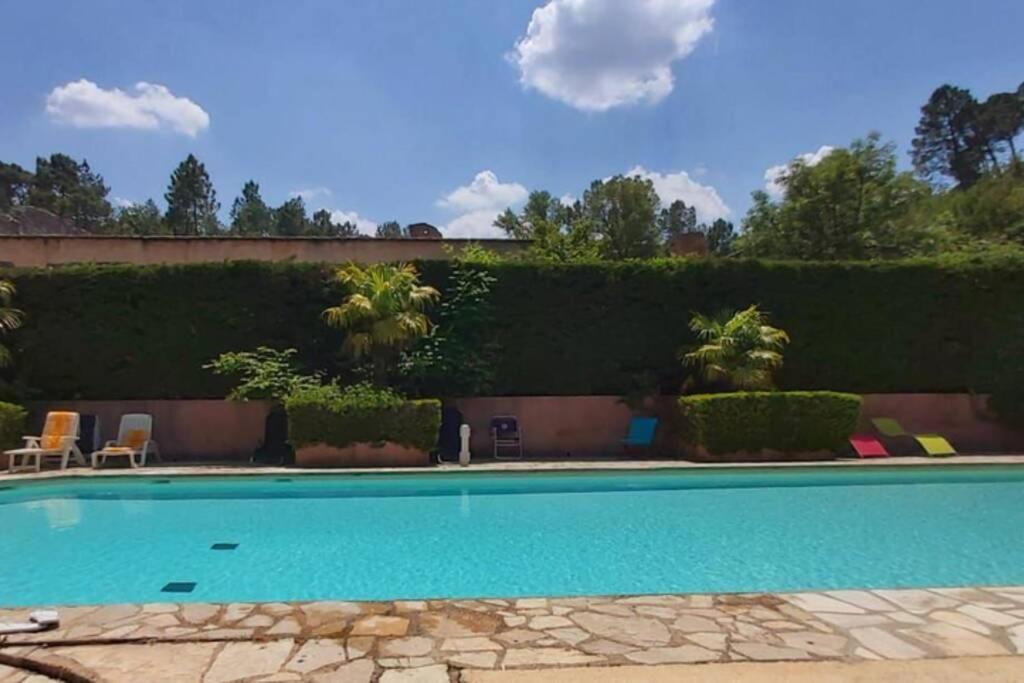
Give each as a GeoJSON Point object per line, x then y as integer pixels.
{"type": "Point", "coordinates": [30, 251]}
{"type": "Point", "coordinates": [553, 426]}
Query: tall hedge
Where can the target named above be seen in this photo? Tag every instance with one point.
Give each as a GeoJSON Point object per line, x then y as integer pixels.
{"type": "Point", "coordinates": [604, 328]}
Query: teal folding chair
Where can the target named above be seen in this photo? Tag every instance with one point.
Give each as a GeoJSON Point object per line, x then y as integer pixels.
{"type": "Point", "coordinates": [641, 434]}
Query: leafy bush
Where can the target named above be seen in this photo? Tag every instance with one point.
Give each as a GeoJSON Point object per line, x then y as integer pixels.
{"type": "Point", "coordinates": [739, 349]}
{"type": "Point", "coordinates": [791, 422]}
{"type": "Point", "coordinates": [263, 373]}
{"type": "Point", "coordinates": [360, 414]}
{"type": "Point", "coordinates": [924, 325]}
{"type": "Point", "coordinates": [12, 425]}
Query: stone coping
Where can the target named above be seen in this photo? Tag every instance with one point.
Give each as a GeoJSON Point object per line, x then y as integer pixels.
{"type": "Point", "coordinates": [193, 469]}
{"type": "Point", "coordinates": [432, 640]}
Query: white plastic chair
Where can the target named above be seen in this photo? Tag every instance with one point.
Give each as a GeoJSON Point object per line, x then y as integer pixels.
{"type": "Point", "coordinates": [58, 440]}
{"type": "Point", "coordinates": [134, 441]}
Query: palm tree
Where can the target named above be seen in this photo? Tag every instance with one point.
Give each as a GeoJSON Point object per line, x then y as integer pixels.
{"type": "Point", "coordinates": [10, 318]}
{"type": "Point", "coordinates": [739, 349]}
{"type": "Point", "coordinates": [383, 314]}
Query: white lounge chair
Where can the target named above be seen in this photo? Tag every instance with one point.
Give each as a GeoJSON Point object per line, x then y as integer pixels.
{"type": "Point", "coordinates": [134, 441]}
{"type": "Point", "coordinates": [58, 440]}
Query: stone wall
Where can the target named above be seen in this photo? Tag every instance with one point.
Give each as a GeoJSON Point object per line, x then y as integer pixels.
{"type": "Point", "coordinates": [40, 251]}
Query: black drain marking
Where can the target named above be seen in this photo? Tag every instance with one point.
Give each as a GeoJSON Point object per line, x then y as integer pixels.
{"type": "Point", "coordinates": [161, 481]}
{"type": "Point", "coordinates": [223, 546]}
{"type": "Point", "coordinates": [179, 587]}
{"type": "Point", "coordinates": [283, 479]}
{"type": "Point", "coordinates": [6, 488]}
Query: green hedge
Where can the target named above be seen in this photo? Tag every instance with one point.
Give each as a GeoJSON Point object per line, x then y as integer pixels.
{"type": "Point", "coordinates": [12, 425]}
{"type": "Point", "coordinates": [327, 417]}
{"type": "Point", "coordinates": [605, 328]}
{"type": "Point", "coordinates": [787, 421]}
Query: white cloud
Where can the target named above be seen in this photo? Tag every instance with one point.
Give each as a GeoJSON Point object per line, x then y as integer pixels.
{"type": "Point", "coordinates": [310, 193]}
{"type": "Point", "coordinates": [673, 186]}
{"type": "Point", "coordinates": [479, 203]}
{"type": "Point", "coordinates": [599, 54]}
{"type": "Point", "coordinates": [773, 176]}
{"type": "Point", "coordinates": [364, 225]}
{"type": "Point", "coordinates": [121, 202]}
{"type": "Point", "coordinates": [83, 104]}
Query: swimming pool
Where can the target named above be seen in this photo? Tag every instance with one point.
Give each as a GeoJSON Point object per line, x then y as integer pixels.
{"type": "Point", "coordinates": [314, 537]}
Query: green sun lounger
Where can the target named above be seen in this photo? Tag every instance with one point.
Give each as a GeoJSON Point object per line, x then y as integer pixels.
{"type": "Point", "coordinates": [934, 445]}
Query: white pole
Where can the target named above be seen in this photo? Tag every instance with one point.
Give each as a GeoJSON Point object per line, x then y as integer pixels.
{"type": "Point", "coordinates": [464, 451]}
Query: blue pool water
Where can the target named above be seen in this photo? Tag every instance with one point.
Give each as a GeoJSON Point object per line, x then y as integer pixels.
{"type": "Point", "coordinates": [458, 535]}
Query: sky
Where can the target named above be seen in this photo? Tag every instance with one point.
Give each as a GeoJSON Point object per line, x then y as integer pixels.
{"type": "Point", "coordinates": [447, 111]}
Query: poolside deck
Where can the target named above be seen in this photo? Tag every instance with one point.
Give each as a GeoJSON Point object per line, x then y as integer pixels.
{"type": "Point", "coordinates": [437, 640]}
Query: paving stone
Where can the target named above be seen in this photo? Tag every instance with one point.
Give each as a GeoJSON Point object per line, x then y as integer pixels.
{"type": "Point", "coordinates": [560, 611]}
{"type": "Point", "coordinates": [225, 634]}
{"type": "Point", "coordinates": [605, 647]}
{"type": "Point", "coordinates": [642, 631]}
{"type": "Point", "coordinates": [471, 644]}
{"type": "Point", "coordinates": [886, 644]}
{"type": "Point", "coordinates": [989, 616]}
{"type": "Point", "coordinates": [257, 621]}
{"type": "Point", "coordinates": [917, 601]}
{"type": "Point", "coordinates": [682, 654]}
{"type": "Point", "coordinates": [246, 660]}
{"type": "Point", "coordinates": [975, 596]}
{"type": "Point", "coordinates": [864, 653]}
{"type": "Point", "coordinates": [402, 606]}
{"type": "Point", "coordinates": [359, 646]}
{"type": "Point", "coordinates": [280, 677]}
{"type": "Point", "coordinates": [692, 624]}
{"type": "Point", "coordinates": [956, 642]}
{"type": "Point", "coordinates": [329, 612]}
{"type": "Point", "coordinates": [376, 625]}
{"type": "Point", "coordinates": [1016, 636]}
{"type": "Point", "coordinates": [544, 623]}
{"type": "Point", "coordinates": [286, 627]}
{"type": "Point", "coordinates": [121, 632]}
{"type": "Point", "coordinates": [199, 613]}
{"type": "Point", "coordinates": [784, 625]}
{"type": "Point", "coordinates": [613, 609]}
{"type": "Point", "coordinates": [237, 611]}
{"type": "Point", "coordinates": [532, 603]}
{"type": "Point", "coordinates": [429, 674]}
{"type": "Point", "coordinates": [474, 660]}
{"type": "Point", "coordinates": [822, 644]}
{"type": "Point", "coordinates": [359, 671]}
{"type": "Point", "coordinates": [570, 635]}
{"type": "Point", "coordinates": [961, 620]}
{"type": "Point", "coordinates": [663, 600]}
{"type": "Point", "coordinates": [159, 608]}
{"type": "Point", "coordinates": [514, 620]}
{"type": "Point", "coordinates": [854, 620]}
{"type": "Point", "coordinates": [277, 609]}
{"type": "Point", "coordinates": [405, 662]}
{"type": "Point", "coordinates": [415, 646]}
{"type": "Point", "coordinates": [768, 653]}
{"type": "Point", "coordinates": [905, 618]}
{"type": "Point", "coordinates": [518, 636]}
{"type": "Point", "coordinates": [863, 599]}
{"type": "Point", "coordinates": [130, 663]}
{"type": "Point", "coordinates": [316, 654]}
{"type": "Point", "coordinates": [712, 641]}
{"type": "Point", "coordinates": [458, 623]}
{"type": "Point", "coordinates": [546, 656]}
{"type": "Point", "coordinates": [817, 602]}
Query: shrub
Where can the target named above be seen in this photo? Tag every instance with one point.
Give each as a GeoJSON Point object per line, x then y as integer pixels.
{"type": "Point", "coordinates": [738, 348]}
{"type": "Point", "coordinates": [790, 422]}
{"type": "Point", "coordinates": [925, 325]}
{"type": "Point", "coordinates": [12, 425]}
{"type": "Point", "coordinates": [263, 373]}
{"type": "Point", "coordinates": [360, 414]}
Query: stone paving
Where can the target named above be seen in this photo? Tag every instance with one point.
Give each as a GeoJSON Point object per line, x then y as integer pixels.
{"type": "Point", "coordinates": [427, 641]}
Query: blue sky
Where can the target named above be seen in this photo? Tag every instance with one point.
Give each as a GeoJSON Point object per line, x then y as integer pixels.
{"type": "Point", "coordinates": [446, 110]}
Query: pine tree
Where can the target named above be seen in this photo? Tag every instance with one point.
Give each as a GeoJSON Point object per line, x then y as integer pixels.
{"type": "Point", "coordinates": [249, 213]}
{"type": "Point", "coordinates": [191, 200]}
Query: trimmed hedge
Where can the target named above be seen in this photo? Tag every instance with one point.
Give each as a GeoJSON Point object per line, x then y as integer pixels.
{"type": "Point", "coordinates": [786, 421]}
{"type": "Point", "coordinates": [943, 325]}
{"type": "Point", "coordinates": [12, 425]}
{"type": "Point", "coordinates": [330, 418]}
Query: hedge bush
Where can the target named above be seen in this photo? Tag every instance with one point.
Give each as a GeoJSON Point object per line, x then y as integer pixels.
{"type": "Point", "coordinates": [362, 415]}
{"type": "Point", "coordinates": [942, 325]}
{"type": "Point", "coordinates": [787, 421]}
{"type": "Point", "coordinates": [12, 425]}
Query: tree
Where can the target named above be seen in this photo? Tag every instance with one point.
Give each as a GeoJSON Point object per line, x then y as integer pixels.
{"type": "Point", "coordinates": [738, 349]}
{"type": "Point", "coordinates": [71, 190]}
{"type": "Point", "coordinates": [138, 219]}
{"type": "Point", "coordinates": [853, 204]}
{"type": "Point", "coordinates": [623, 213]}
{"type": "Point", "coordinates": [391, 230]}
{"type": "Point", "coordinates": [290, 218]}
{"type": "Point", "coordinates": [249, 213]}
{"type": "Point", "coordinates": [14, 185]}
{"type": "Point", "coordinates": [383, 315]}
{"type": "Point", "coordinates": [720, 236]}
{"type": "Point", "coordinates": [949, 141]}
{"type": "Point", "coordinates": [1002, 119]}
{"type": "Point", "coordinates": [323, 225]}
{"type": "Point", "coordinates": [191, 200]}
{"type": "Point", "coordinates": [558, 231]}
{"type": "Point", "coordinates": [10, 318]}
{"type": "Point", "coordinates": [677, 219]}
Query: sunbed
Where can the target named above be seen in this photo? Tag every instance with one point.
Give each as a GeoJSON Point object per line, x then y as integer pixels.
{"type": "Point", "coordinates": [934, 445]}
{"type": "Point", "coordinates": [134, 441]}
{"type": "Point", "coordinates": [58, 440]}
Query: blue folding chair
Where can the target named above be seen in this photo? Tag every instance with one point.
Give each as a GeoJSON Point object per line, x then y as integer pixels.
{"type": "Point", "coordinates": [641, 433]}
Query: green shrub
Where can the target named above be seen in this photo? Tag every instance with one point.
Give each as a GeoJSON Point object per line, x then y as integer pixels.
{"type": "Point", "coordinates": [12, 425]}
{"type": "Point", "coordinates": [360, 414]}
{"type": "Point", "coordinates": [787, 421]}
{"type": "Point", "coordinates": [925, 325]}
